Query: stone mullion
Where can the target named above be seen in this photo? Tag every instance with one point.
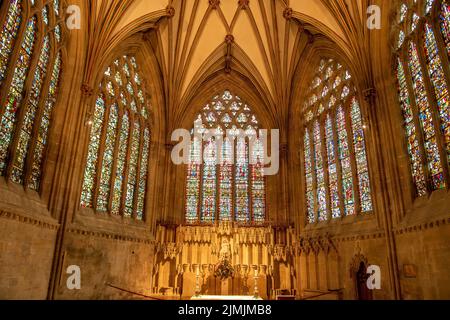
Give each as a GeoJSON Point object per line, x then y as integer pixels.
{"type": "Point", "coordinates": [432, 101]}
{"type": "Point", "coordinates": [24, 104]}
{"type": "Point", "coordinates": [404, 59]}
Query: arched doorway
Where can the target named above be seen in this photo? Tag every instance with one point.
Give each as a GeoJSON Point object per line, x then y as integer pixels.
{"type": "Point", "coordinates": [358, 271]}
{"type": "Point", "coordinates": [362, 290]}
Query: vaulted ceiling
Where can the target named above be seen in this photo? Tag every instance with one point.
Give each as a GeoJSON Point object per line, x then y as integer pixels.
{"type": "Point", "coordinates": [262, 40]}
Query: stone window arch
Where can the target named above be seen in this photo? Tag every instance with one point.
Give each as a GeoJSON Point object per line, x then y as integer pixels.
{"type": "Point", "coordinates": [32, 39]}
{"type": "Point", "coordinates": [117, 162]}
{"type": "Point", "coordinates": [337, 180]}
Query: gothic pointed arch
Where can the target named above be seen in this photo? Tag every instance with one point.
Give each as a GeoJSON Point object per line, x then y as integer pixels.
{"type": "Point", "coordinates": [422, 72]}
{"type": "Point", "coordinates": [336, 178]}
{"type": "Point", "coordinates": [32, 50]}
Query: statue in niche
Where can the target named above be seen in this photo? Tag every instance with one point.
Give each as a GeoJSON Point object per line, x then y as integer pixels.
{"type": "Point", "coordinates": [225, 251]}
{"type": "Point", "coordinates": [224, 270]}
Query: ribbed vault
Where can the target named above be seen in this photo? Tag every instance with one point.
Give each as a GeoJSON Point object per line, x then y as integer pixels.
{"type": "Point", "coordinates": [262, 43]}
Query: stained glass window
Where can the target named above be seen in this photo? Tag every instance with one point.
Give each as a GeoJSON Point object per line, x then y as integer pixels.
{"type": "Point", "coordinates": [426, 119]}
{"type": "Point", "coordinates": [428, 6]}
{"type": "Point", "coordinates": [332, 169]}
{"type": "Point", "coordinates": [445, 24]}
{"type": "Point", "coordinates": [309, 178]}
{"type": "Point", "coordinates": [227, 183]}
{"type": "Point", "coordinates": [116, 173]}
{"type": "Point", "coordinates": [258, 182]}
{"type": "Point", "coordinates": [335, 148]}
{"type": "Point", "coordinates": [420, 103]}
{"type": "Point", "coordinates": [320, 174]}
{"type": "Point", "coordinates": [8, 35]}
{"type": "Point", "coordinates": [15, 94]}
{"type": "Point", "coordinates": [345, 159]}
{"type": "Point", "coordinates": [193, 181]}
{"type": "Point", "coordinates": [412, 140]}
{"type": "Point", "coordinates": [209, 181]}
{"type": "Point", "coordinates": [437, 77]}
{"type": "Point", "coordinates": [361, 157]}
{"type": "Point", "coordinates": [29, 91]}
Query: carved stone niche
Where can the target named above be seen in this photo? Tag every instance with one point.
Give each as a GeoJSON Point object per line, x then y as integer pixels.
{"type": "Point", "coordinates": [171, 251]}
{"type": "Point", "coordinates": [244, 271]}
{"type": "Point", "coordinates": [263, 269]}
{"type": "Point", "coordinates": [225, 253]}
{"type": "Point", "coordinates": [279, 253]}
{"type": "Point", "coordinates": [186, 268]}
{"type": "Point", "coordinates": [356, 263]}
{"type": "Point", "coordinates": [224, 228]}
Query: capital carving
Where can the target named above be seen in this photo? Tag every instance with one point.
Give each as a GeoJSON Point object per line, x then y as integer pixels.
{"type": "Point", "coordinates": [87, 90]}
{"type": "Point", "coordinates": [229, 39]}
{"type": "Point", "coordinates": [244, 4]}
{"type": "Point", "coordinates": [170, 11]}
{"type": "Point", "coordinates": [370, 94]}
{"type": "Point", "coordinates": [288, 13]}
{"type": "Point", "coordinates": [214, 4]}
{"type": "Point", "coordinates": [310, 38]}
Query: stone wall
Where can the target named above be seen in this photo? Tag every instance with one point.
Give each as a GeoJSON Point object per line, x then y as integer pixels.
{"type": "Point", "coordinates": [107, 262]}
{"type": "Point", "coordinates": [26, 255]}
{"type": "Point", "coordinates": [424, 258]}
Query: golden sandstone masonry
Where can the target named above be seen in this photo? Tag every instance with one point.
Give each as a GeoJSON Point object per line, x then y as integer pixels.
{"type": "Point", "coordinates": [101, 199]}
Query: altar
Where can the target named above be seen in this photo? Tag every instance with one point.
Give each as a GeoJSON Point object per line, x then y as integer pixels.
{"type": "Point", "coordinates": [221, 262]}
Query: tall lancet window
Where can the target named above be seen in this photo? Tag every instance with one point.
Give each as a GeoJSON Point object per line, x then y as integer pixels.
{"type": "Point", "coordinates": [225, 175]}
{"type": "Point", "coordinates": [117, 164]}
{"type": "Point", "coordinates": [31, 40]}
{"type": "Point", "coordinates": [422, 66]}
{"type": "Point", "coordinates": [337, 180]}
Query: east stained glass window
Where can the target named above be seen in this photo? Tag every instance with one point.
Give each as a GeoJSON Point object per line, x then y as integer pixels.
{"type": "Point", "coordinates": [335, 154]}
{"type": "Point", "coordinates": [225, 175]}
{"type": "Point", "coordinates": [445, 24]}
{"type": "Point", "coordinates": [116, 172]}
{"type": "Point", "coordinates": [29, 90]}
{"type": "Point", "coordinates": [425, 108]}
